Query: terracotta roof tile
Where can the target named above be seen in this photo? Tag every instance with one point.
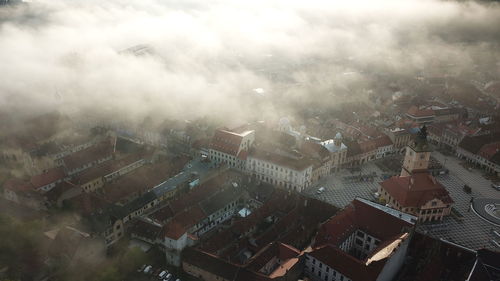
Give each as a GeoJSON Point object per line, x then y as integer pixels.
{"type": "Point", "coordinates": [51, 176]}
{"type": "Point", "coordinates": [226, 142]}
{"type": "Point", "coordinates": [416, 190]}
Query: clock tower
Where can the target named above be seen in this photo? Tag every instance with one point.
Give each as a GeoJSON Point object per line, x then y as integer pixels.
{"type": "Point", "coordinates": [417, 155]}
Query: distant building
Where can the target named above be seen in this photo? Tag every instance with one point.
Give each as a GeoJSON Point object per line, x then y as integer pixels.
{"type": "Point", "coordinates": [482, 151]}
{"type": "Point", "coordinates": [338, 151]}
{"type": "Point", "coordinates": [421, 115]}
{"type": "Point", "coordinates": [400, 138]}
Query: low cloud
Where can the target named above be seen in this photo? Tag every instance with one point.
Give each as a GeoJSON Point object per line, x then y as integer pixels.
{"type": "Point", "coordinates": [185, 59]}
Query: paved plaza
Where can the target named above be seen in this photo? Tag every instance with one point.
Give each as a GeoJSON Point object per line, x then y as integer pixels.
{"type": "Point", "coordinates": [464, 227]}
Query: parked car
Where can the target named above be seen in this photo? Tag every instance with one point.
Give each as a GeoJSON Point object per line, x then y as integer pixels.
{"type": "Point", "coordinates": [496, 185]}
{"type": "Point", "coordinates": [168, 277]}
{"type": "Point", "coordinates": [148, 269]}
{"type": "Point", "coordinates": [320, 190]}
{"type": "Point", "coordinates": [162, 274]}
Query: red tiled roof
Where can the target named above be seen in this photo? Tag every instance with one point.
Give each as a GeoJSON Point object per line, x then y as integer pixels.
{"type": "Point", "coordinates": [415, 190]}
{"type": "Point", "coordinates": [210, 263]}
{"type": "Point", "coordinates": [359, 215]}
{"type": "Point", "coordinates": [314, 149]}
{"type": "Point", "coordinates": [417, 112]}
{"type": "Point", "coordinates": [293, 163]}
{"type": "Point", "coordinates": [107, 168]}
{"type": "Point", "coordinates": [282, 251]}
{"type": "Point", "coordinates": [349, 266]}
{"type": "Point", "coordinates": [17, 185]}
{"type": "Point", "coordinates": [383, 141]}
{"type": "Point", "coordinates": [48, 177]}
{"type": "Point", "coordinates": [89, 155]}
{"type": "Point", "coordinates": [488, 150]}
{"type": "Point", "coordinates": [137, 181]}
{"type": "Point", "coordinates": [226, 142]}
{"type": "Point", "coordinates": [174, 230]}
{"type": "Point", "coordinates": [181, 223]}
{"type": "Point", "coordinates": [243, 155]}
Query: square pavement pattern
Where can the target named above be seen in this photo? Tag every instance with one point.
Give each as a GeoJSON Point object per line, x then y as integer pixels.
{"type": "Point", "coordinates": [462, 227]}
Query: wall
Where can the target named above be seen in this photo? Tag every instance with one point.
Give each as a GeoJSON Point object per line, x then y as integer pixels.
{"type": "Point", "coordinates": [393, 265]}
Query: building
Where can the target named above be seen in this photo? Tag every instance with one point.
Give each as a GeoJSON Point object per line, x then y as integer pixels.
{"type": "Point", "coordinates": [421, 115]}
{"type": "Point", "coordinates": [94, 178]}
{"type": "Point", "coordinates": [338, 151]}
{"type": "Point", "coordinates": [449, 135]}
{"type": "Point", "coordinates": [486, 266]}
{"type": "Point", "coordinates": [231, 148]}
{"type": "Point", "coordinates": [365, 241]}
{"type": "Point", "coordinates": [84, 159]}
{"type": "Point", "coordinates": [23, 193]}
{"type": "Point", "coordinates": [48, 179]}
{"type": "Point", "coordinates": [400, 138]}
{"type": "Point", "coordinates": [321, 158]}
{"type": "Point", "coordinates": [184, 220]}
{"type": "Point", "coordinates": [290, 171]}
{"type": "Point", "coordinates": [277, 261]}
{"type": "Point", "coordinates": [384, 146]}
{"type": "Point", "coordinates": [416, 191]}
{"type": "Point", "coordinates": [482, 151]}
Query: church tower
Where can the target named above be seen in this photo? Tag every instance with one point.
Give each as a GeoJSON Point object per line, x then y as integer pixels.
{"type": "Point", "coordinates": [417, 155]}
{"type": "Point", "coordinates": [338, 140]}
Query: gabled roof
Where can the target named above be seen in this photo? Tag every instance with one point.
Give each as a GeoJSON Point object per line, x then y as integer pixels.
{"type": "Point", "coordinates": [183, 221]}
{"type": "Point", "coordinates": [50, 176]}
{"type": "Point", "coordinates": [414, 111]}
{"type": "Point", "coordinates": [220, 200]}
{"type": "Point", "coordinates": [474, 144]}
{"type": "Point", "coordinates": [488, 150]}
{"type": "Point", "coordinates": [298, 164]}
{"type": "Point", "coordinates": [146, 230]}
{"type": "Point", "coordinates": [210, 263]}
{"type": "Point", "coordinates": [416, 190]}
{"type": "Point", "coordinates": [390, 226]}
{"type": "Point", "coordinates": [377, 220]}
{"type": "Point", "coordinates": [347, 265]}
{"type": "Point", "coordinates": [226, 141]}
{"type": "Point", "coordinates": [89, 155]}
{"type": "Point", "coordinates": [18, 185]}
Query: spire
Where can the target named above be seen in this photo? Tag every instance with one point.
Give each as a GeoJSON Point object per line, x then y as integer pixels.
{"type": "Point", "coordinates": [420, 144]}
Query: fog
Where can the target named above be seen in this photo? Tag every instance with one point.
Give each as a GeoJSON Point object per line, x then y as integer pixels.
{"type": "Point", "coordinates": [230, 59]}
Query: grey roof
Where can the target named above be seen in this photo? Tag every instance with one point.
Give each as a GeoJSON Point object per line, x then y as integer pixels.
{"type": "Point", "coordinates": [171, 183]}
{"type": "Point", "coordinates": [330, 145]}
{"type": "Point", "coordinates": [193, 169]}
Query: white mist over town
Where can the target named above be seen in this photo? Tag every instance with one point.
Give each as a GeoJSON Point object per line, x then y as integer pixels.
{"type": "Point", "coordinates": [249, 140]}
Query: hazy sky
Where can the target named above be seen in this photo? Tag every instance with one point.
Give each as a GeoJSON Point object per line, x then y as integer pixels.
{"type": "Point", "coordinates": [209, 56]}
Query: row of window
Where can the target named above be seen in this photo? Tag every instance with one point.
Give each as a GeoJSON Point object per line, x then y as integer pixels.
{"type": "Point", "coordinates": [326, 273]}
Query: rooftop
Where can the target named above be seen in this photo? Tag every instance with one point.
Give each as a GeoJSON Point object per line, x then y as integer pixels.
{"type": "Point", "coordinates": [416, 190]}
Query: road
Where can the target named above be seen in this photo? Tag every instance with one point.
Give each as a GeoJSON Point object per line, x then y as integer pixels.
{"type": "Point", "coordinates": [473, 178]}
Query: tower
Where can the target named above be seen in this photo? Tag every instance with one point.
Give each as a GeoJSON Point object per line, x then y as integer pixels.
{"type": "Point", "coordinates": [338, 140]}
{"type": "Point", "coordinates": [417, 154]}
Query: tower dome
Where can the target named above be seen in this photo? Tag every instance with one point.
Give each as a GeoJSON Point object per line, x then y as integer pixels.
{"type": "Point", "coordinates": [338, 139]}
